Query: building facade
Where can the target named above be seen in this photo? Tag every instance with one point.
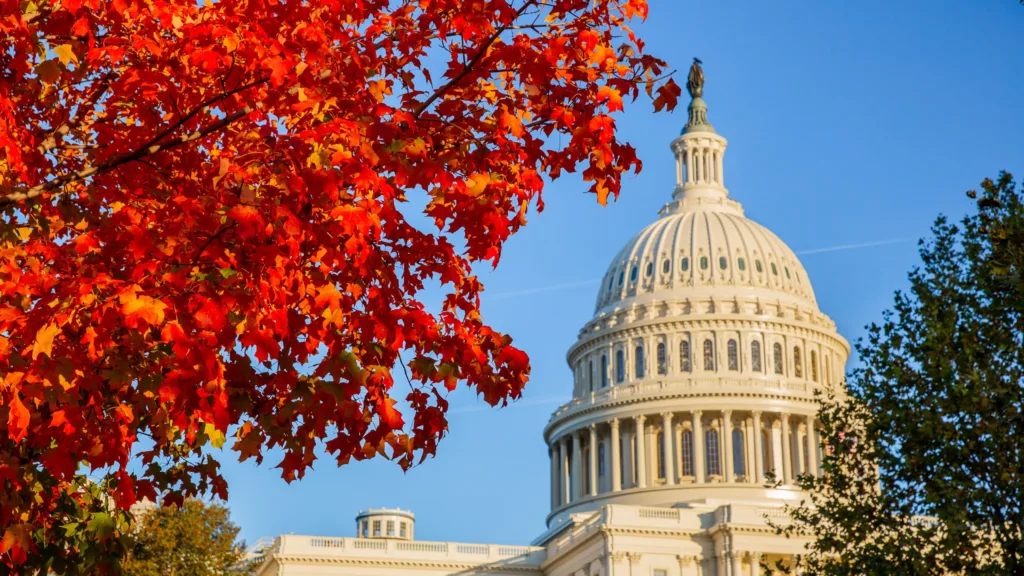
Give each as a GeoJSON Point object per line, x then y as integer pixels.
{"type": "Point", "coordinates": [693, 409]}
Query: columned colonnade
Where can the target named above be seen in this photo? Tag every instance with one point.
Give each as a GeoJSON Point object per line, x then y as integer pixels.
{"type": "Point", "coordinates": [721, 446]}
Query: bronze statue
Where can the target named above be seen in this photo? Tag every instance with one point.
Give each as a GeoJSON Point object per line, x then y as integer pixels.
{"type": "Point", "coordinates": [695, 83]}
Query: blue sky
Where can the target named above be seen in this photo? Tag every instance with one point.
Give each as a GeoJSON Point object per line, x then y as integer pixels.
{"type": "Point", "coordinates": [849, 124]}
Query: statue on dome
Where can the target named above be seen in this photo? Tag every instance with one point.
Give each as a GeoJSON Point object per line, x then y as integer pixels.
{"type": "Point", "coordinates": [695, 83]}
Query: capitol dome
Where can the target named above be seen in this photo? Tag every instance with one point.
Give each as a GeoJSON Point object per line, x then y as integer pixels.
{"type": "Point", "coordinates": [695, 379]}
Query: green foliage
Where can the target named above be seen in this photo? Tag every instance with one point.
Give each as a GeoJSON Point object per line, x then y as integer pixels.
{"type": "Point", "coordinates": [196, 539]}
{"type": "Point", "coordinates": [924, 471]}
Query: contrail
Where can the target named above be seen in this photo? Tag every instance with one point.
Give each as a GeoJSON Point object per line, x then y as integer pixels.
{"type": "Point", "coordinates": [854, 246]}
{"type": "Point", "coordinates": [580, 283]}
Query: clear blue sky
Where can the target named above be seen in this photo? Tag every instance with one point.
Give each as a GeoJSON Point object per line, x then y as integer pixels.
{"type": "Point", "coordinates": [848, 123]}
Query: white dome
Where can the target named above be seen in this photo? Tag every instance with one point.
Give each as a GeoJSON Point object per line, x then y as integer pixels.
{"type": "Point", "coordinates": [697, 248]}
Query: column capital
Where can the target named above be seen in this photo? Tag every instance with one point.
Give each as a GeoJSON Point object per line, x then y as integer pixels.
{"type": "Point", "coordinates": [685, 560]}
{"type": "Point", "coordinates": [667, 414]}
{"type": "Point", "coordinates": [698, 413]}
{"type": "Point", "coordinates": [752, 556]}
{"type": "Point", "coordinates": [640, 418]}
{"type": "Point", "coordinates": [756, 413]}
{"type": "Point", "coordinates": [634, 557]}
{"type": "Point", "coordinates": [592, 427]}
{"type": "Point", "coordinates": [614, 423]}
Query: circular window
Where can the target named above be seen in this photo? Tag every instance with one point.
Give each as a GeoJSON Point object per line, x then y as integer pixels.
{"type": "Point", "coordinates": [686, 264]}
{"type": "Point", "coordinates": [632, 274]}
{"type": "Point", "coordinates": [742, 264]}
{"type": "Point", "coordinates": [650, 269]}
{"type": "Point", "coordinates": [703, 262]}
{"type": "Point", "coordinates": [666, 266]}
{"type": "Point", "coordinates": [757, 264]}
{"type": "Point", "coordinates": [722, 262]}
{"type": "Point", "coordinates": [775, 271]}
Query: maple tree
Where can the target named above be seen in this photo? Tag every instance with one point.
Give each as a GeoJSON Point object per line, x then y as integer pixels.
{"type": "Point", "coordinates": [206, 229]}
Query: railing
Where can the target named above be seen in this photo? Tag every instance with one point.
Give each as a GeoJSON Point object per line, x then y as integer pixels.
{"type": "Point", "coordinates": [690, 384]}
{"type": "Point", "coordinates": [321, 547]}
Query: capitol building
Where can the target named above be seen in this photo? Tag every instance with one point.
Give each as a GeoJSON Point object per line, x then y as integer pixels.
{"type": "Point", "coordinates": [693, 409]}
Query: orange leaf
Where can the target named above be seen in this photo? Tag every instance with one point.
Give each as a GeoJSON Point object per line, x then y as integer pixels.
{"type": "Point", "coordinates": [44, 340]}
{"type": "Point", "coordinates": [17, 419]}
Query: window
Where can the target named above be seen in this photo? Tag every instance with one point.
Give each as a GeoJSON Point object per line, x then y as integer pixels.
{"type": "Point", "coordinates": [713, 465]}
{"type": "Point", "coordinates": [391, 527]}
{"type": "Point", "coordinates": [376, 527]}
{"type": "Point", "coordinates": [775, 271]}
{"type": "Point", "coordinates": [604, 371]}
{"type": "Point", "coordinates": [814, 365]}
{"type": "Point", "coordinates": [401, 529]}
{"type": "Point", "coordinates": [638, 362]}
{"type": "Point", "coordinates": [620, 367]}
{"type": "Point", "coordinates": [738, 451]}
{"type": "Point", "coordinates": [757, 265]}
{"type": "Point", "coordinates": [632, 274]}
{"type": "Point", "coordinates": [703, 262]}
{"type": "Point", "coordinates": [662, 359]}
{"type": "Point", "coordinates": [786, 268]}
{"type": "Point", "coordinates": [798, 367]}
{"type": "Point", "coordinates": [666, 266]}
{"type": "Point", "coordinates": [777, 358]}
{"type": "Point", "coordinates": [661, 455]}
{"type": "Point", "coordinates": [734, 361]}
{"type": "Point", "coordinates": [659, 572]}
{"type": "Point", "coordinates": [766, 451]}
{"type": "Point", "coordinates": [611, 279]}
{"type": "Point", "coordinates": [650, 269]}
{"type": "Point", "coordinates": [364, 530]}
{"type": "Point", "coordinates": [709, 356]}
{"type": "Point", "coordinates": [685, 265]}
{"type": "Point", "coordinates": [742, 264]}
{"type": "Point", "coordinates": [686, 448]}
{"type": "Point", "coordinates": [590, 374]}
{"type": "Point", "coordinates": [755, 356]}
{"type": "Point", "coordinates": [684, 356]}
{"type": "Point", "coordinates": [622, 276]}
{"type": "Point", "coordinates": [723, 263]}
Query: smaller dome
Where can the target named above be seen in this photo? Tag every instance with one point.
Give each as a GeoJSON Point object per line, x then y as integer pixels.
{"type": "Point", "coordinates": [710, 246]}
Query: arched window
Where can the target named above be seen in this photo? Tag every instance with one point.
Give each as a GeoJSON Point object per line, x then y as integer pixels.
{"type": "Point", "coordinates": [798, 367]}
{"type": "Point", "coordinates": [684, 356]}
{"type": "Point", "coordinates": [738, 452]}
{"type": "Point", "coordinates": [666, 266]}
{"type": "Point", "coordinates": [775, 271]}
{"type": "Point", "coordinates": [685, 265]}
{"type": "Point", "coordinates": [620, 367]}
{"type": "Point", "coordinates": [786, 268]}
{"type": "Point", "coordinates": [661, 455]}
{"type": "Point", "coordinates": [686, 448]}
{"type": "Point", "coordinates": [632, 274]}
{"type": "Point", "coordinates": [757, 265]}
{"type": "Point", "coordinates": [755, 356]}
{"type": "Point", "coordinates": [611, 279]}
{"type": "Point", "coordinates": [733, 353]}
{"type": "Point", "coordinates": [650, 269]}
{"type": "Point", "coordinates": [742, 264]}
{"type": "Point", "coordinates": [604, 371]}
{"type": "Point", "coordinates": [723, 263]}
{"type": "Point", "coordinates": [709, 356]}
{"type": "Point", "coordinates": [703, 262]}
{"type": "Point", "coordinates": [638, 362]}
{"type": "Point", "coordinates": [622, 276]}
{"type": "Point", "coordinates": [590, 374]}
{"type": "Point", "coordinates": [714, 465]}
{"type": "Point", "coordinates": [662, 359]}
{"type": "Point", "coordinates": [814, 365]}
{"type": "Point", "coordinates": [777, 358]}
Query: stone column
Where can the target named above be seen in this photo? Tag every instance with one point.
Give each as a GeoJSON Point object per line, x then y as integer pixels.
{"type": "Point", "coordinates": [563, 475]}
{"type": "Point", "coordinates": [554, 475]}
{"type": "Point", "coordinates": [755, 563]}
{"type": "Point", "coordinates": [718, 168]}
{"type": "Point", "coordinates": [812, 447]}
{"type": "Point", "coordinates": [787, 449]}
{"type": "Point", "coordinates": [727, 439]}
{"type": "Point", "coordinates": [669, 454]}
{"type": "Point", "coordinates": [798, 460]}
{"type": "Point", "coordinates": [616, 466]}
{"type": "Point", "coordinates": [758, 450]}
{"type": "Point", "coordinates": [698, 447]}
{"type": "Point", "coordinates": [577, 467]}
{"type": "Point", "coordinates": [641, 460]}
{"type": "Point", "coordinates": [690, 168]}
{"type": "Point", "coordinates": [736, 561]}
{"type": "Point", "coordinates": [592, 489]}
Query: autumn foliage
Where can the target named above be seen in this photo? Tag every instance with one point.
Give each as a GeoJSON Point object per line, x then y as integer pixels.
{"type": "Point", "coordinates": [206, 229]}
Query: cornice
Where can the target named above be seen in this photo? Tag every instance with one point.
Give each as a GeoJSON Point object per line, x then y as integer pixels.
{"type": "Point", "coordinates": [404, 563]}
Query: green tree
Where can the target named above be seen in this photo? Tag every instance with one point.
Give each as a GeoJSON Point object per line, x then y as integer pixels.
{"type": "Point", "coordinates": [924, 466]}
{"type": "Point", "coordinates": [197, 539]}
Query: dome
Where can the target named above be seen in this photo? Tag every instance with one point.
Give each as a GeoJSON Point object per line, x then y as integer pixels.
{"type": "Point", "coordinates": [702, 248]}
{"type": "Point", "coordinates": [696, 378]}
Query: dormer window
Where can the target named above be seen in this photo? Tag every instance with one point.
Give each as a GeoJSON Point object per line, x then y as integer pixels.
{"type": "Point", "coordinates": [650, 269]}
{"type": "Point", "coordinates": [703, 262]}
{"type": "Point", "coordinates": [742, 264]}
{"type": "Point", "coordinates": [775, 271]}
{"type": "Point", "coordinates": [757, 265]}
{"type": "Point", "coordinates": [723, 263]}
{"type": "Point", "coordinates": [622, 276]}
{"type": "Point", "coordinates": [685, 265]}
{"type": "Point", "coordinates": [632, 274]}
{"type": "Point", "coordinates": [666, 266]}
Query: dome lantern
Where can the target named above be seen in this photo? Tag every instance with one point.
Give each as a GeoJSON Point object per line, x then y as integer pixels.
{"type": "Point", "coordinates": [699, 151]}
